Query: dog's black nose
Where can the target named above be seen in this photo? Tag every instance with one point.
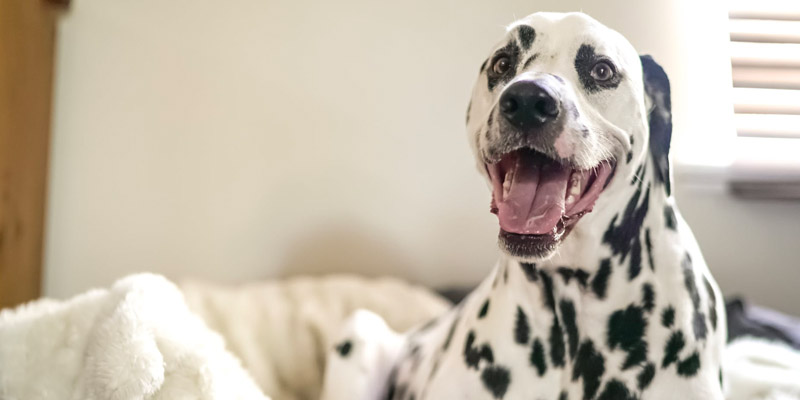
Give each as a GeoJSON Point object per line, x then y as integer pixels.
{"type": "Point", "coordinates": [527, 104]}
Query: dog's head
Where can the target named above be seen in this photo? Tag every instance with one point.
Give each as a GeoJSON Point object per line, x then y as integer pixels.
{"type": "Point", "coordinates": [559, 111]}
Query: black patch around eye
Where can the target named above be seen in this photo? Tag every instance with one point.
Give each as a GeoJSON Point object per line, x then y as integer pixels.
{"type": "Point", "coordinates": [496, 380]}
{"type": "Point", "coordinates": [511, 51]}
{"type": "Point", "coordinates": [585, 60]}
{"type": "Point", "coordinates": [522, 330]}
{"type": "Point", "coordinates": [526, 36]}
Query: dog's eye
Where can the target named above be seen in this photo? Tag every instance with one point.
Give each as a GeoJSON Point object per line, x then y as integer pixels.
{"type": "Point", "coordinates": [602, 71]}
{"type": "Point", "coordinates": [501, 65]}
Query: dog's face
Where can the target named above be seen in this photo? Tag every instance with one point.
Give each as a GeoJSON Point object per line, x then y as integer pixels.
{"type": "Point", "coordinates": [557, 113]}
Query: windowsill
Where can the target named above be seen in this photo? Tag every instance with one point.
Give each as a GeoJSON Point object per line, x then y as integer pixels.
{"type": "Point", "coordinates": [764, 168]}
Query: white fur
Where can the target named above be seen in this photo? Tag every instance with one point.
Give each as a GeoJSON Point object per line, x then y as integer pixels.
{"type": "Point", "coordinates": [137, 340]}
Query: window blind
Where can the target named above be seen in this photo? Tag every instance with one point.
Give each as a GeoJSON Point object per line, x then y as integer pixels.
{"type": "Point", "coordinates": [765, 56]}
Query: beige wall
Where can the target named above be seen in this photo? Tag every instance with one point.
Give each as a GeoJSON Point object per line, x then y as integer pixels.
{"type": "Point", "coordinates": [251, 139]}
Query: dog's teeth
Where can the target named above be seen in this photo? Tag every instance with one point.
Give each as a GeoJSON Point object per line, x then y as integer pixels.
{"type": "Point", "coordinates": [574, 187]}
{"type": "Point", "coordinates": [507, 183]}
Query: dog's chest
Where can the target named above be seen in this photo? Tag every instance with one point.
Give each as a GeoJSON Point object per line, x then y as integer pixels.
{"type": "Point", "coordinates": [513, 338]}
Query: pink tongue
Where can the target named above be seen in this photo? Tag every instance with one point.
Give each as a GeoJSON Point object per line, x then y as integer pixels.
{"type": "Point", "coordinates": [533, 203]}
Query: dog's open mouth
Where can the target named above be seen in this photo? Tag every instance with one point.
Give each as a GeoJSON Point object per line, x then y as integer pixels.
{"type": "Point", "coordinates": [537, 198]}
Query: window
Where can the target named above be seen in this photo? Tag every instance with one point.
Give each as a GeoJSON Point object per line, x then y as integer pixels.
{"type": "Point", "coordinates": [765, 59]}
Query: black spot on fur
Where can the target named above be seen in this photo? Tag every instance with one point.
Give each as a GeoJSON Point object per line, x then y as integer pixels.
{"type": "Point", "coordinates": [566, 274]}
{"type": "Point", "coordinates": [344, 348]}
{"type": "Point", "coordinates": [656, 86]}
{"type": "Point", "coordinates": [626, 329]}
{"type": "Point", "coordinates": [483, 66]}
{"type": "Point", "coordinates": [625, 238]}
{"type": "Point", "coordinates": [646, 376]}
{"type": "Point", "coordinates": [636, 355]}
{"type": "Point", "coordinates": [547, 291]}
{"type": "Point", "coordinates": [649, 246]}
{"type": "Point", "coordinates": [522, 331]}
{"type": "Point", "coordinates": [673, 347]}
{"type": "Point", "coordinates": [635, 266]}
{"type": "Point", "coordinates": [484, 309]}
{"type": "Point", "coordinates": [720, 379]}
{"type": "Point", "coordinates": [526, 36]}
{"type": "Point", "coordinates": [585, 60]}
{"type": "Point", "coordinates": [537, 357]}
{"type": "Point", "coordinates": [496, 380]}
{"type": "Point", "coordinates": [698, 319]}
{"type": "Point", "coordinates": [563, 395]}
{"type": "Point", "coordinates": [469, 108]}
{"type": "Point", "coordinates": [639, 175]}
{"type": "Point", "coordinates": [590, 366]}
{"type": "Point", "coordinates": [690, 365]}
{"type": "Point", "coordinates": [616, 390]}
{"type": "Point", "coordinates": [557, 344]}
{"type": "Point", "coordinates": [670, 221]}
{"type": "Point", "coordinates": [648, 297]}
{"type": "Point", "coordinates": [511, 50]}
{"type": "Point", "coordinates": [473, 355]}
{"type": "Point", "coordinates": [582, 277]}
{"type": "Point", "coordinates": [629, 157]}
{"type": "Point", "coordinates": [668, 317]}
{"type": "Point", "coordinates": [530, 271]}
{"type": "Point", "coordinates": [530, 60]}
{"type": "Point", "coordinates": [568, 316]}
{"type": "Point", "coordinates": [712, 303]}
{"type": "Point", "coordinates": [600, 280]}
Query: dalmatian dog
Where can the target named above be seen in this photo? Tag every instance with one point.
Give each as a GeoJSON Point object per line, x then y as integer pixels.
{"type": "Point", "coordinates": [600, 291]}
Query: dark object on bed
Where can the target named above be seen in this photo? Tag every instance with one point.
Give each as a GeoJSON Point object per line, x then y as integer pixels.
{"type": "Point", "coordinates": [744, 319]}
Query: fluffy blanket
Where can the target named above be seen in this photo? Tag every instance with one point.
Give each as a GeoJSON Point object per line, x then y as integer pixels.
{"type": "Point", "coordinates": [146, 339]}
{"type": "Point", "coordinates": [137, 340]}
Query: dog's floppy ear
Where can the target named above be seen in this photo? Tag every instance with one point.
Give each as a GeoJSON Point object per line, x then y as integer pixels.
{"type": "Point", "coordinates": [656, 87]}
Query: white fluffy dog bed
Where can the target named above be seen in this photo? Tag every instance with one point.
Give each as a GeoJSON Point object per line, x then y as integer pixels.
{"type": "Point", "coordinates": [139, 340]}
